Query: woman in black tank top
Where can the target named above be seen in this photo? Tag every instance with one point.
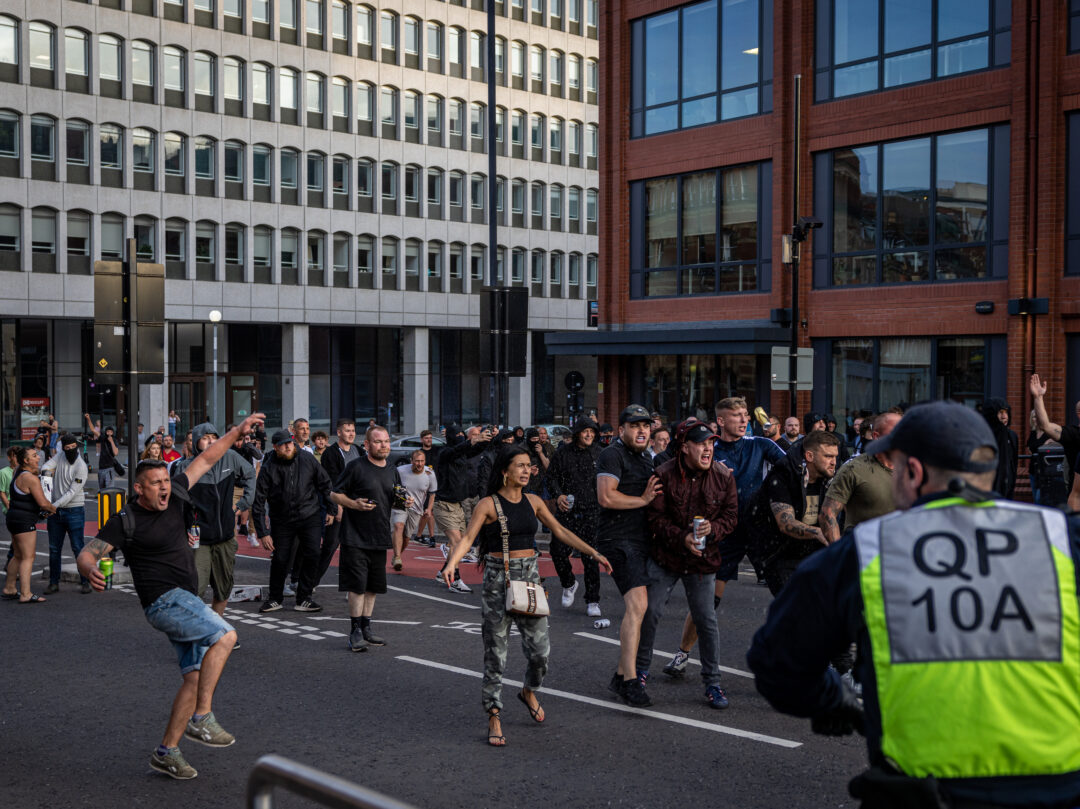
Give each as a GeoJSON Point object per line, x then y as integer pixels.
{"type": "Point", "coordinates": [510, 474]}
{"type": "Point", "coordinates": [27, 500]}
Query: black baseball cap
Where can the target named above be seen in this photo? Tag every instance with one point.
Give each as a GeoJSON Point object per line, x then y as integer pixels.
{"type": "Point", "coordinates": [634, 413]}
{"type": "Point", "coordinates": [281, 437]}
{"type": "Point", "coordinates": [942, 434]}
{"type": "Point", "coordinates": [699, 432]}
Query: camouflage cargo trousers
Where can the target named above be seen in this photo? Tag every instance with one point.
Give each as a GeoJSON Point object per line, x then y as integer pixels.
{"type": "Point", "coordinates": [496, 629]}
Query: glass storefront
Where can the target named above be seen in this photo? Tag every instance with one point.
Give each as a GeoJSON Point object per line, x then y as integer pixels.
{"type": "Point", "coordinates": [678, 386]}
{"type": "Point", "coordinates": [355, 372]}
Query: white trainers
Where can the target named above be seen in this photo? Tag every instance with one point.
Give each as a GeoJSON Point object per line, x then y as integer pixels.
{"type": "Point", "coordinates": [568, 594]}
{"type": "Point", "coordinates": [459, 586]}
{"type": "Point", "coordinates": [439, 576]}
{"type": "Point", "coordinates": [592, 610]}
{"type": "Point", "coordinates": [470, 557]}
{"type": "Point", "coordinates": [445, 550]}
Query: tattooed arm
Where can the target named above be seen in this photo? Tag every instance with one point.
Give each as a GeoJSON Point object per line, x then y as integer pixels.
{"type": "Point", "coordinates": [794, 528]}
{"type": "Point", "coordinates": [830, 519]}
{"type": "Point", "coordinates": [93, 552]}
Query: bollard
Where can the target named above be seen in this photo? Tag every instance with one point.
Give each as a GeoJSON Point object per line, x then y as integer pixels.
{"type": "Point", "coordinates": [109, 501]}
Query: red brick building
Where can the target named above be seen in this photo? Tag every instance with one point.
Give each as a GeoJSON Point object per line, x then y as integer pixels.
{"type": "Point", "coordinates": [940, 148]}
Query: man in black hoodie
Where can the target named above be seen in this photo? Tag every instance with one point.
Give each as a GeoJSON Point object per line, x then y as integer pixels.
{"type": "Point", "coordinates": [453, 476]}
{"type": "Point", "coordinates": [997, 414]}
{"type": "Point", "coordinates": [212, 497]}
{"type": "Point", "coordinates": [573, 474]}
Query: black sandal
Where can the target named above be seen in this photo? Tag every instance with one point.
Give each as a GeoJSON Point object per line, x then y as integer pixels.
{"type": "Point", "coordinates": [535, 713]}
{"type": "Point", "coordinates": [494, 739]}
{"type": "Point", "coordinates": [34, 599]}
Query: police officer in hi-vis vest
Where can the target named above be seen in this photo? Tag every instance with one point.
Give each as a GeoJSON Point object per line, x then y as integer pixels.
{"type": "Point", "coordinates": [964, 608]}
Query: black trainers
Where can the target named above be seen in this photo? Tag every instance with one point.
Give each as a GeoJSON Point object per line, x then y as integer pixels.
{"type": "Point", "coordinates": [372, 638]}
{"type": "Point", "coordinates": [357, 642]}
{"type": "Point", "coordinates": [615, 686]}
{"type": "Point", "coordinates": [633, 694]}
{"type": "Point", "coordinates": [307, 605]}
{"type": "Point", "coordinates": [270, 606]}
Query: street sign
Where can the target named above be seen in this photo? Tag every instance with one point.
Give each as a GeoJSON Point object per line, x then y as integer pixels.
{"type": "Point", "coordinates": [781, 368]}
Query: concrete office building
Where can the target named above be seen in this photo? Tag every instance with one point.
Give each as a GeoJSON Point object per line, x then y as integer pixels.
{"type": "Point", "coordinates": [314, 169]}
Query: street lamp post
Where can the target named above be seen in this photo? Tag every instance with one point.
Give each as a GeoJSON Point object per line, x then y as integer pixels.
{"type": "Point", "coordinates": [215, 318]}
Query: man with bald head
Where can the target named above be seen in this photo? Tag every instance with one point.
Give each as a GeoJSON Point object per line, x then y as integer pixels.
{"type": "Point", "coordinates": [862, 488]}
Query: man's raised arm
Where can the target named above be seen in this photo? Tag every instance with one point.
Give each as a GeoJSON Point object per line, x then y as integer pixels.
{"type": "Point", "coordinates": [212, 454]}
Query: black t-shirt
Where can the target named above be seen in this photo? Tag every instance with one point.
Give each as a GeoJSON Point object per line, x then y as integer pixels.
{"type": "Point", "coordinates": [806, 512]}
{"type": "Point", "coordinates": [632, 470]}
{"type": "Point", "coordinates": [159, 555]}
{"type": "Point", "coordinates": [521, 524]}
{"type": "Point", "coordinates": [362, 478]}
{"type": "Point", "coordinates": [1070, 442]}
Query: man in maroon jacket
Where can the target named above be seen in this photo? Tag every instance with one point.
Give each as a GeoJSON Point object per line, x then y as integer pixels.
{"type": "Point", "coordinates": [693, 485]}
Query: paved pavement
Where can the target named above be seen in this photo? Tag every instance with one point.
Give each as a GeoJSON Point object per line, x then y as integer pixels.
{"type": "Point", "coordinates": [89, 684]}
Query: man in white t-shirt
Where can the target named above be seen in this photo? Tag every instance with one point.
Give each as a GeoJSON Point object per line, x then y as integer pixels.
{"type": "Point", "coordinates": [419, 481]}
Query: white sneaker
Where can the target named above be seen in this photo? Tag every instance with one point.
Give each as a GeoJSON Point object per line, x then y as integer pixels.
{"type": "Point", "coordinates": [568, 594]}
{"type": "Point", "coordinates": [470, 557]}
{"type": "Point", "coordinates": [445, 549]}
{"type": "Point", "coordinates": [592, 610]}
{"type": "Point", "coordinates": [439, 576]}
{"type": "Point", "coordinates": [460, 586]}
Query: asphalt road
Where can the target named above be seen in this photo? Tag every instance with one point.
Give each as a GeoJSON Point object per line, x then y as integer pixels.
{"type": "Point", "coordinates": [88, 686]}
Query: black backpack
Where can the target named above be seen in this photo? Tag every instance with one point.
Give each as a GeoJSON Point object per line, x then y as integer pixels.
{"type": "Point", "coordinates": [191, 514]}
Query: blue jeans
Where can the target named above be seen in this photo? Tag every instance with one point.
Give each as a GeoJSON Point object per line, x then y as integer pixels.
{"type": "Point", "coordinates": [104, 477]}
{"type": "Point", "coordinates": [190, 625]}
{"type": "Point", "coordinates": [65, 522]}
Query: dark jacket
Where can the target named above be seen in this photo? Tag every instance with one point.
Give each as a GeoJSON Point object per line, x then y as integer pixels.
{"type": "Point", "coordinates": [453, 470]}
{"type": "Point", "coordinates": [212, 494]}
{"type": "Point", "coordinates": [687, 494]}
{"type": "Point", "coordinates": [787, 476]}
{"type": "Point", "coordinates": [333, 462]}
{"type": "Point", "coordinates": [291, 492]}
{"type": "Point", "coordinates": [573, 471]}
{"type": "Point", "coordinates": [1007, 447]}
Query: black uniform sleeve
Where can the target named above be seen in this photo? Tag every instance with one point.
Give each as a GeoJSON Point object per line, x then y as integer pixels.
{"type": "Point", "coordinates": [814, 618]}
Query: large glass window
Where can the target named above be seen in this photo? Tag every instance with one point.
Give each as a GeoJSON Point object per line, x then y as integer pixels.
{"type": "Point", "coordinates": [172, 67]}
{"type": "Point", "coordinates": [363, 25]}
{"type": "Point", "coordinates": [699, 64]}
{"type": "Point", "coordinates": [288, 79]}
{"type": "Point", "coordinates": [9, 41]}
{"type": "Point", "coordinates": [76, 52]}
{"type": "Point", "coordinates": [142, 150]}
{"type": "Point", "coordinates": [175, 158]}
{"type": "Point", "coordinates": [315, 84]}
{"type": "Point", "coordinates": [232, 78]}
{"type": "Point", "coordinates": [41, 46]}
{"type": "Point", "coordinates": [260, 83]}
{"type": "Point", "coordinates": [289, 160]}
{"type": "Point", "coordinates": [287, 15]}
{"type": "Point", "coordinates": [911, 210]}
{"type": "Point", "coordinates": [42, 138]}
{"type": "Point", "coordinates": [260, 164]}
{"type": "Point", "coordinates": [78, 143]}
{"type": "Point", "coordinates": [142, 62]}
{"type": "Point", "coordinates": [234, 161]}
{"type": "Point", "coordinates": [9, 135]}
{"type": "Point", "coordinates": [339, 20]}
{"type": "Point", "coordinates": [110, 57]}
{"type": "Point", "coordinates": [203, 74]}
{"type": "Point", "coordinates": [313, 17]}
{"type": "Point", "coordinates": [411, 35]}
{"type": "Point", "coordinates": [339, 97]}
{"type": "Point", "coordinates": [112, 146]}
{"type": "Point", "coordinates": [871, 375]}
{"type": "Point", "coordinates": [204, 158]}
{"type": "Point", "coordinates": [700, 234]}
{"type": "Point", "coordinates": [877, 44]}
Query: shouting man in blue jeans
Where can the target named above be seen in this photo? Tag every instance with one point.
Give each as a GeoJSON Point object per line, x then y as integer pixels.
{"type": "Point", "coordinates": [69, 473]}
{"type": "Point", "coordinates": [152, 533]}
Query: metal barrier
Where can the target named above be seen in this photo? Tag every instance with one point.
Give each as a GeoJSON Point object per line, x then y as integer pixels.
{"type": "Point", "coordinates": [307, 782]}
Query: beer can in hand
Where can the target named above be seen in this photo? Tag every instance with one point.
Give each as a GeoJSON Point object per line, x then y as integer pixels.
{"type": "Point", "coordinates": [699, 541]}
{"type": "Point", "coordinates": [106, 567]}
{"type": "Point", "coordinates": [569, 502]}
{"type": "Point", "coordinates": [193, 531]}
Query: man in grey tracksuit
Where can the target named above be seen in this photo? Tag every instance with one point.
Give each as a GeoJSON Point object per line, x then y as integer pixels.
{"type": "Point", "coordinates": [212, 497]}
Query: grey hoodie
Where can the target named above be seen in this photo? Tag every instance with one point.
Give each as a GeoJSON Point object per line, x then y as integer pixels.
{"type": "Point", "coordinates": [212, 494]}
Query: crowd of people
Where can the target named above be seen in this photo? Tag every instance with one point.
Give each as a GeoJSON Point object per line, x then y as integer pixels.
{"type": "Point", "coordinates": [652, 504]}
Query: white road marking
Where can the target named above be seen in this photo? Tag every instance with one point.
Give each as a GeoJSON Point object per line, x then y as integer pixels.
{"type": "Point", "coordinates": [669, 655]}
{"type": "Point", "coordinates": [313, 637]}
{"type": "Point", "coordinates": [434, 598]}
{"type": "Point", "coordinates": [373, 620]}
{"type": "Point", "coordinates": [613, 706]}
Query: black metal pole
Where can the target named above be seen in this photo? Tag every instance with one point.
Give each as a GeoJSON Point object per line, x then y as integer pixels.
{"type": "Point", "coordinates": [793, 366]}
{"type": "Point", "coordinates": [493, 223]}
{"type": "Point", "coordinates": [131, 274]}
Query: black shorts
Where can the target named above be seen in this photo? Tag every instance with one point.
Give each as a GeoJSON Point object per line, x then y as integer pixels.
{"type": "Point", "coordinates": [20, 526]}
{"type": "Point", "coordinates": [362, 570]}
{"type": "Point", "coordinates": [629, 563]}
{"type": "Point", "coordinates": [733, 548]}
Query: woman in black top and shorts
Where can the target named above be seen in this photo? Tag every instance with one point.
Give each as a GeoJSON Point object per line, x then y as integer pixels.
{"type": "Point", "coordinates": [28, 500]}
{"type": "Point", "coordinates": [509, 476]}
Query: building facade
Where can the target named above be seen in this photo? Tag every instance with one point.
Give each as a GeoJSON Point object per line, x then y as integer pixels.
{"type": "Point", "coordinates": [316, 170]}
{"type": "Point", "coordinates": [940, 151]}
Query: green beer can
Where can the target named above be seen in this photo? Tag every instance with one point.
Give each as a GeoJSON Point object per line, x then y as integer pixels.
{"type": "Point", "coordinates": [106, 567]}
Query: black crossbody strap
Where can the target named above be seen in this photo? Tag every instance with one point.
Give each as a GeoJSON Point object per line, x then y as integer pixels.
{"type": "Point", "coordinates": [505, 534]}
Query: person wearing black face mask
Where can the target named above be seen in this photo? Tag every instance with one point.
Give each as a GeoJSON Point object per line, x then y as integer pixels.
{"type": "Point", "coordinates": [69, 473]}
